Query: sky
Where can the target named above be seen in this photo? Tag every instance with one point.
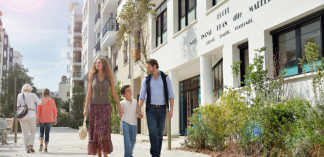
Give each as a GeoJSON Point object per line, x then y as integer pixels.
{"type": "Point", "coordinates": [38, 29]}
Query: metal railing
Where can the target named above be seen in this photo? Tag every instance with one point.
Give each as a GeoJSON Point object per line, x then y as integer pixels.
{"type": "Point", "coordinates": [77, 74]}
{"type": "Point", "coordinates": [68, 68]}
{"type": "Point", "coordinates": [97, 16]}
{"type": "Point", "coordinates": [68, 55]}
{"type": "Point", "coordinates": [97, 47]}
{"type": "Point", "coordinates": [77, 59]}
{"type": "Point", "coordinates": [69, 41]}
{"type": "Point", "coordinates": [77, 29]}
{"type": "Point", "coordinates": [111, 25]}
{"type": "Point", "coordinates": [116, 68]}
{"type": "Point", "coordinates": [69, 28]}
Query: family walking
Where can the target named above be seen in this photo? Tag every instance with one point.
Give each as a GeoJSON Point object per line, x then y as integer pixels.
{"type": "Point", "coordinates": [156, 90]}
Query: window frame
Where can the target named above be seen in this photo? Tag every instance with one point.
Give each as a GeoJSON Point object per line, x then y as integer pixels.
{"type": "Point", "coordinates": [221, 76]}
{"type": "Point", "coordinates": [187, 11]}
{"type": "Point", "coordinates": [296, 26]}
{"type": "Point", "coordinates": [159, 22]}
{"type": "Point", "coordinates": [242, 48]}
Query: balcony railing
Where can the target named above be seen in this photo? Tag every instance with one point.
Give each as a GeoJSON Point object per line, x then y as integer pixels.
{"type": "Point", "coordinates": [69, 28]}
{"type": "Point", "coordinates": [77, 44]}
{"type": "Point", "coordinates": [115, 68]}
{"type": "Point", "coordinates": [0, 22]}
{"type": "Point", "coordinates": [69, 41]}
{"type": "Point", "coordinates": [97, 47]}
{"type": "Point", "coordinates": [77, 29]}
{"type": "Point", "coordinates": [111, 25]}
{"type": "Point", "coordinates": [77, 74]}
{"type": "Point", "coordinates": [97, 16]}
{"type": "Point", "coordinates": [77, 59]}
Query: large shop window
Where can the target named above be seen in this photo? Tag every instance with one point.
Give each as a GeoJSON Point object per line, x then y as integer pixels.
{"type": "Point", "coordinates": [187, 12]}
{"type": "Point", "coordinates": [161, 24]}
{"type": "Point", "coordinates": [215, 2]}
{"type": "Point", "coordinates": [218, 80]}
{"type": "Point", "coordinates": [244, 57]}
{"type": "Point", "coordinates": [289, 44]}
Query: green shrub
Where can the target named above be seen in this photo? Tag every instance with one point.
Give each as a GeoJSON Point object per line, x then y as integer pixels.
{"type": "Point", "coordinates": [115, 124]}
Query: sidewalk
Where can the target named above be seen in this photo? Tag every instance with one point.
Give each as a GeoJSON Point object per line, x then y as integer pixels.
{"type": "Point", "coordinates": [66, 142]}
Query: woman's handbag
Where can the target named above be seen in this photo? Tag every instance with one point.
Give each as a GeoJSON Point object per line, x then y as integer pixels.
{"type": "Point", "coordinates": [23, 110]}
{"type": "Point", "coordinates": [83, 131]}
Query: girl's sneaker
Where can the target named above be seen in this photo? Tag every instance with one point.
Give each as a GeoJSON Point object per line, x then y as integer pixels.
{"type": "Point", "coordinates": [45, 150]}
{"type": "Point", "coordinates": [41, 147]}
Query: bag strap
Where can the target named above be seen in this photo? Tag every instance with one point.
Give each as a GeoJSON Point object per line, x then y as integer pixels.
{"type": "Point", "coordinates": [24, 100]}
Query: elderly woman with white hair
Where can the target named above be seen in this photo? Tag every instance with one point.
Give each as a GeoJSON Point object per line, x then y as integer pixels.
{"type": "Point", "coordinates": [28, 123]}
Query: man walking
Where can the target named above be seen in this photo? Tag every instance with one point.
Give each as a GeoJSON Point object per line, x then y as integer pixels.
{"type": "Point", "coordinates": [158, 90]}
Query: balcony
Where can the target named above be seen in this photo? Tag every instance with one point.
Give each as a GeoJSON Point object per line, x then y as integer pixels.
{"type": "Point", "coordinates": [69, 55]}
{"type": "Point", "coordinates": [77, 17]}
{"type": "Point", "coordinates": [77, 31]}
{"type": "Point", "coordinates": [97, 27]}
{"type": "Point", "coordinates": [77, 61]}
{"type": "Point", "coordinates": [77, 46]}
{"type": "Point", "coordinates": [69, 29]}
{"type": "Point", "coordinates": [76, 75]}
{"type": "Point", "coordinates": [97, 52]}
{"type": "Point", "coordinates": [109, 6]}
{"type": "Point", "coordinates": [115, 68]}
{"type": "Point", "coordinates": [109, 32]}
{"type": "Point", "coordinates": [69, 42]}
{"type": "Point", "coordinates": [68, 69]}
{"type": "Point", "coordinates": [0, 22]}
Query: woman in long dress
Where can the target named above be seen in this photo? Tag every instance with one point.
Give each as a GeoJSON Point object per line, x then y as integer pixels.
{"type": "Point", "coordinates": [100, 80]}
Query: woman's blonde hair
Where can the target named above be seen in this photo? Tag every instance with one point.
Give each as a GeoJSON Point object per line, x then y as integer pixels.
{"type": "Point", "coordinates": [26, 87]}
{"type": "Point", "coordinates": [106, 68]}
{"type": "Point", "coordinates": [46, 92]}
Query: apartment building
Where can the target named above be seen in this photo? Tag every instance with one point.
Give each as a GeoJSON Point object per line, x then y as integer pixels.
{"type": "Point", "coordinates": [196, 42]}
{"type": "Point", "coordinates": [75, 42]}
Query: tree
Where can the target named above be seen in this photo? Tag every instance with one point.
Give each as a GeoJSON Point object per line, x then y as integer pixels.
{"type": "Point", "coordinates": [59, 104]}
{"type": "Point", "coordinates": [7, 90]}
{"type": "Point", "coordinates": [78, 100]}
{"type": "Point", "coordinates": [66, 105]}
{"type": "Point", "coordinates": [133, 24]}
{"type": "Point", "coordinates": [112, 100]}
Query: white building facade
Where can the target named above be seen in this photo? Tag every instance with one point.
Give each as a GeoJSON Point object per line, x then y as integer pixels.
{"type": "Point", "coordinates": [64, 89]}
{"type": "Point", "coordinates": [197, 41]}
{"type": "Point", "coordinates": [75, 42]}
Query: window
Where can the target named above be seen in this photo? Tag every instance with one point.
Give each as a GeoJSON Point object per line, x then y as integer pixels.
{"type": "Point", "coordinates": [218, 80]}
{"type": "Point", "coordinates": [68, 94]}
{"type": "Point", "coordinates": [4, 67]}
{"type": "Point", "coordinates": [0, 59]}
{"type": "Point", "coordinates": [116, 59]}
{"type": "Point", "coordinates": [161, 24]}
{"type": "Point", "coordinates": [126, 52]}
{"type": "Point", "coordinates": [5, 54]}
{"type": "Point", "coordinates": [187, 12]}
{"type": "Point", "coordinates": [6, 41]}
{"type": "Point", "coordinates": [289, 45]}
{"type": "Point", "coordinates": [215, 2]}
{"type": "Point", "coordinates": [244, 57]}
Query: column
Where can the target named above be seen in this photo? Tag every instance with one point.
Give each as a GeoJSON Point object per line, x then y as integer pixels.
{"type": "Point", "coordinates": [206, 80]}
{"type": "Point", "coordinates": [175, 121]}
